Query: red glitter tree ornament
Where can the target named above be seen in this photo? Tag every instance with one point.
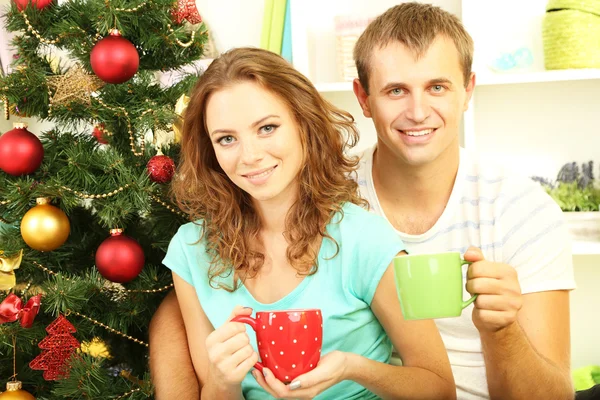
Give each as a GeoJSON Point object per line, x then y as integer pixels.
{"type": "Point", "coordinates": [57, 348]}
{"type": "Point", "coordinates": [186, 10]}
{"type": "Point", "coordinates": [161, 168]}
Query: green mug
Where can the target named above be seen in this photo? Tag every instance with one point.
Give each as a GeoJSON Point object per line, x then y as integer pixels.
{"type": "Point", "coordinates": [430, 286]}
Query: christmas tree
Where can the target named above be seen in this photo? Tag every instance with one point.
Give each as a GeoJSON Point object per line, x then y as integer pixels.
{"type": "Point", "coordinates": [85, 212]}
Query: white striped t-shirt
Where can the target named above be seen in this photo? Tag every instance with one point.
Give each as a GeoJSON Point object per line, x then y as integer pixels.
{"type": "Point", "coordinates": [513, 221]}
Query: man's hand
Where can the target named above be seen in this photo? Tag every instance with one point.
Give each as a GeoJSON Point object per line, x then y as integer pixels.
{"type": "Point", "coordinates": [499, 293]}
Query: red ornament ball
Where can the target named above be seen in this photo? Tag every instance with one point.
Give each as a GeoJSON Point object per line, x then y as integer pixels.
{"type": "Point", "coordinates": [22, 4]}
{"type": "Point", "coordinates": [100, 134]}
{"type": "Point", "coordinates": [161, 168]}
{"type": "Point", "coordinates": [114, 59]}
{"type": "Point", "coordinates": [120, 258]}
{"type": "Point", "coordinates": [21, 152]}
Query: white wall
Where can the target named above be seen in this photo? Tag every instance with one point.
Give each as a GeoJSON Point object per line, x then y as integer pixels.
{"type": "Point", "coordinates": [585, 303]}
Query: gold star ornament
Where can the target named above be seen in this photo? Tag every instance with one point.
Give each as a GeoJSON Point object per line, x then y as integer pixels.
{"type": "Point", "coordinates": [76, 85]}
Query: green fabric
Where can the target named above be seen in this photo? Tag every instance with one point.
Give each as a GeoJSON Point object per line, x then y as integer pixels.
{"type": "Point", "coordinates": [586, 377]}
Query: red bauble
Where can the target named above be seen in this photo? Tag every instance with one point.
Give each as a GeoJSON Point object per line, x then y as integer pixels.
{"type": "Point", "coordinates": [21, 152]}
{"type": "Point", "coordinates": [120, 258]}
{"type": "Point", "coordinates": [161, 168]}
{"type": "Point", "coordinates": [22, 4]}
{"type": "Point", "coordinates": [114, 59]}
{"type": "Point", "coordinates": [99, 134]}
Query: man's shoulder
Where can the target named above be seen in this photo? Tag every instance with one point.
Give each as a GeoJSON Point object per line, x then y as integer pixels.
{"type": "Point", "coordinates": [491, 175]}
{"type": "Point", "coordinates": [512, 193]}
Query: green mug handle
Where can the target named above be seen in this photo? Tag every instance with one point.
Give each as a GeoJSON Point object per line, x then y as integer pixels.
{"type": "Point", "coordinates": [474, 297]}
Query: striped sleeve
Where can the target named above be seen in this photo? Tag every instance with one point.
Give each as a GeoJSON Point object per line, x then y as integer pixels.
{"type": "Point", "coordinates": [536, 240]}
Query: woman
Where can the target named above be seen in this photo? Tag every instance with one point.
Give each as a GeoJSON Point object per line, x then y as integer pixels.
{"type": "Point", "coordinates": [279, 226]}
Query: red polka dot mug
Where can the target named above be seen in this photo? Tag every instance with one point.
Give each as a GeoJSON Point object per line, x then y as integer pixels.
{"type": "Point", "coordinates": [289, 342]}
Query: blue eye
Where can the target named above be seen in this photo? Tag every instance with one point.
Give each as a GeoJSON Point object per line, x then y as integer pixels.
{"type": "Point", "coordinates": [396, 91]}
{"type": "Point", "coordinates": [269, 128]}
{"type": "Point", "coordinates": [437, 88]}
{"type": "Point", "coordinates": [225, 140]}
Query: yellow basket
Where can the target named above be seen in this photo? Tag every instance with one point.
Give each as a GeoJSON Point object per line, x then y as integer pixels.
{"type": "Point", "coordinates": [571, 34]}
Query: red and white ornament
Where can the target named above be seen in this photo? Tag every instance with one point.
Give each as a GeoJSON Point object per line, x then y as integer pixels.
{"type": "Point", "coordinates": [40, 4]}
{"type": "Point", "coordinates": [100, 134]}
{"type": "Point", "coordinates": [161, 168]}
{"type": "Point", "coordinates": [120, 258]}
{"type": "Point", "coordinates": [114, 59]}
{"type": "Point", "coordinates": [21, 152]}
{"type": "Point", "coordinates": [186, 10]}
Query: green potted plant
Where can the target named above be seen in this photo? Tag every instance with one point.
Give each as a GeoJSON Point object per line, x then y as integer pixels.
{"type": "Point", "coordinates": [578, 195]}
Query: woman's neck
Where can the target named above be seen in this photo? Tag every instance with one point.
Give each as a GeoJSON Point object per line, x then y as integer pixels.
{"type": "Point", "coordinates": [273, 213]}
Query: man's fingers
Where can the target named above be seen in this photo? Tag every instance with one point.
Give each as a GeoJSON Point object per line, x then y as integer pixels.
{"type": "Point", "coordinates": [484, 286]}
{"type": "Point", "coordinates": [473, 254]}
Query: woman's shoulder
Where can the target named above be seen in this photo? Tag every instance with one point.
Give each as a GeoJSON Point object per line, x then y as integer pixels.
{"type": "Point", "coordinates": [190, 232]}
{"type": "Point", "coordinates": [353, 214]}
{"type": "Point", "coordinates": [356, 221]}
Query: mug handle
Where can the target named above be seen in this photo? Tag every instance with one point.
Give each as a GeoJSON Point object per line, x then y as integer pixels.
{"type": "Point", "coordinates": [244, 319]}
{"type": "Point", "coordinates": [474, 297]}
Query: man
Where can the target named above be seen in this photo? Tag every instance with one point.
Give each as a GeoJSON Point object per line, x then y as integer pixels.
{"type": "Point", "coordinates": [415, 81]}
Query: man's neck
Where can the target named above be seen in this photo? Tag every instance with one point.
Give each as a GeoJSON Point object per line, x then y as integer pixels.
{"type": "Point", "coordinates": [414, 198]}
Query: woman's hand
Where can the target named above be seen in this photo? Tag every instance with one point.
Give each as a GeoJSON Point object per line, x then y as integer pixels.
{"type": "Point", "coordinates": [330, 370]}
{"type": "Point", "coordinates": [229, 351]}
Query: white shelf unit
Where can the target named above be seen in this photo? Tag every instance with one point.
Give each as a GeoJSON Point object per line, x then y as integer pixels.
{"type": "Point", "coordinates": [534, 121]}
{"type": "Point", "coordinates": [585, 248]}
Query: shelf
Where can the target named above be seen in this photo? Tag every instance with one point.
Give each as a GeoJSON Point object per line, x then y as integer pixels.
{"type": "Point", "coordinates": [585, 248]}
{"type": "Point", "coordinates": [539, 76]}
{"type": "Point", "coordinates": [490, 79]}
{"type": "Point", "coordinates": [334, 87]}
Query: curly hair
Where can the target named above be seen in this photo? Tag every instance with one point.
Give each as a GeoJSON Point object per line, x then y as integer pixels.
{"type": "Point", "coordinates": [230, 223]}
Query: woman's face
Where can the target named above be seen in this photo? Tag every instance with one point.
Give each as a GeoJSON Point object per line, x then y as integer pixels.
{"type": "Point", "coordinates": [256, 141]}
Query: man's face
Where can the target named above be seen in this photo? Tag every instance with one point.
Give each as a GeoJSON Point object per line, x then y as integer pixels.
{"type": "Point", "coordinates": [416, 104]}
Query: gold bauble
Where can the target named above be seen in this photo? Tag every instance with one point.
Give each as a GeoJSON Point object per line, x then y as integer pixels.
{"type": "Point", "coordinates": [45, 227]}
{"type": "Point", "coordinates": [14, 392]}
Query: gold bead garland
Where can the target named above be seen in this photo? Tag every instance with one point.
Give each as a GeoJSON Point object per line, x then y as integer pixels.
{"type": "Point", "coordinates": [96, 196]}
{"type": "Point", "coordinates": [35, 33]}
{"type": "Point", "coordinates": [167, 206]}
{"type": "Point", "coordinates": [162, 289]}
{"type": "Point", "coordinates": [6, 108]}
{"type": "Point", "coordinates": [127, 394]}
{"type": "Point", "coordinates": [133, 9]}
{"type": "Point", "coordinates": [179, 42]}
{"type": "Point", "coordinates": [129, 128]}
{"type": "Point", "coordinates": [108, 328]}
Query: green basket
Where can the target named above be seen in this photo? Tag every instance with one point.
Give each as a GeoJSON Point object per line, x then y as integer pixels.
{"type": "Point", "coordinates": [590, 6]}
{"type": "Point", "coordinates": [571, 34]}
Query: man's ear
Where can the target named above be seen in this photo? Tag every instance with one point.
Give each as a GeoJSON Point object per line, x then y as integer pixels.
{"type": "Point", "coordinates": [469, 89]}
{"type": "Point", "coordinates": [362, 97]}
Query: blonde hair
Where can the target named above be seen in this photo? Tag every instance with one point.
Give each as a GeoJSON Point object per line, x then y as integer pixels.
{"type": "Point", "coordinates": [231, 225]}
{"type": "Point", "coordinates": [416, 26]}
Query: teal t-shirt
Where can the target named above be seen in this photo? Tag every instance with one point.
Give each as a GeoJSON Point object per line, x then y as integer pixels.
{"type": "Point", "coordinates": [343, 288]}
